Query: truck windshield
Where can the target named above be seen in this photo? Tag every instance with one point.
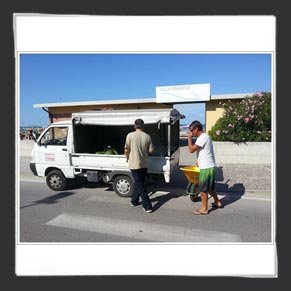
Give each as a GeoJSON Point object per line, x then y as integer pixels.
{"type": "Point", "coordinates": [55, 136]}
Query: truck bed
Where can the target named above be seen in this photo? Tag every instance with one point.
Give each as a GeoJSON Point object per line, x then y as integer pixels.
{"type": "Point", "coordinates": [156, 164]}
{"type": "Point", "coordinates": [99, 161]}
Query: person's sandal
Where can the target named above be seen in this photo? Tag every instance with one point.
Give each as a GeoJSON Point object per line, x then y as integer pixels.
{"type": "Point", "coordinates": [199, 212]}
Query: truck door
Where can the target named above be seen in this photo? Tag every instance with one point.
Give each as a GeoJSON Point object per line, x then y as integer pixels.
{"type": "Point", "coordinates": [53, 148]}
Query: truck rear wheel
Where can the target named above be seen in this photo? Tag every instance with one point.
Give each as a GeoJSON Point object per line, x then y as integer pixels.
{"type": "Point", "coordinates": [56, 180]}
{"type": "Point", "coordinates": [123, 186]}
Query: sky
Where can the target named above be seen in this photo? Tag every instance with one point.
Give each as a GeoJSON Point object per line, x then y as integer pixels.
{"type": "Point", "coordinates": [52, 78]}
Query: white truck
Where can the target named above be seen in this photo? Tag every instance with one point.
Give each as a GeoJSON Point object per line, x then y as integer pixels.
{"type": "Point", "coordinates": [91, 146]}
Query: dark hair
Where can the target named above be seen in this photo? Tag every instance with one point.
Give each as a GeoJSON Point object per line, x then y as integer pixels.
{"type": "Point", "coordinates": [196, 124]}
{"type": "Point", "coordinates": [139, 123]}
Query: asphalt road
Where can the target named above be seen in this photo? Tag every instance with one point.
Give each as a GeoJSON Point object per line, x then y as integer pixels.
{"type": "Point", "coordinates": [94, 213]}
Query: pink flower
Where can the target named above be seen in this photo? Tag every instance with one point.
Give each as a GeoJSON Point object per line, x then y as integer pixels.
{"type": "Point", "coordinates": [247, 120]}
{"type": "Point", "coordinates": [217, 132]}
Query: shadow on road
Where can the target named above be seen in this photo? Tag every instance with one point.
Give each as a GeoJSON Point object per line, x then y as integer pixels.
{"type": "Point", "coordinates": [179, 183]}
{"type": "Point", "coordinates": [75, 184]}
{"type": "Point", "coordinates": [162, 199]}
{"type": "Point", "coordinates": [51, 199]}
{"type": "Point", "coordinates": [176, 188]}
{"type": "Point", "coordinates": [234, 192]}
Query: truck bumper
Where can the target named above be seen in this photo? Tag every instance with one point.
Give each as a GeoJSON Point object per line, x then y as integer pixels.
{"type": "Point", "coordinates": [33, 169]}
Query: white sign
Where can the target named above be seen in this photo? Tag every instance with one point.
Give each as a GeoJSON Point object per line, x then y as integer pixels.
{"type": "Point", "coordinates": [183, 93]}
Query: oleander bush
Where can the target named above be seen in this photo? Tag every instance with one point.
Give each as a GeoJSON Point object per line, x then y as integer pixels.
{"type": "Point", "coordinates": [245, 121]}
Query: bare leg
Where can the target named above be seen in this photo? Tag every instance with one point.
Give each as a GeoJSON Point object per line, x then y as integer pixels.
{"type": "Point", "coordinates": [204, 207]}
{"type": "Point", "coordinates": [204, 200]}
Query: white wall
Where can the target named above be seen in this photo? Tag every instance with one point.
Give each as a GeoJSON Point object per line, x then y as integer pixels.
{"type": "Point", "coordinates": [225, 152]}
{"type": "Point", "coordinates": [248, 153]}
{"type": "Point", "coordinates": [25, 147]}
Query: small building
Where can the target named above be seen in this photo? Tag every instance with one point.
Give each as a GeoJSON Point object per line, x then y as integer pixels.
{"type": "Point", "coordinates": [214, 109]}
{"type": "Point", "coordinates": [63, 110]}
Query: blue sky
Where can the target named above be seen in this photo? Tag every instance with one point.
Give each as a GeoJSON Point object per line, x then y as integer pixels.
{"type": "Point", "coordinates": [50, 78]}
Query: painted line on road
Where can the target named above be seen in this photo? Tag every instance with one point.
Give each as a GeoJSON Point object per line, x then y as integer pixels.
{"type": "Point", "coordinates": [139, 230]}
{"type": "Point", "coordinates": [257, 198]}
{"type": "Point", "coordinates": [245, 197]}
{"type": "Point", "coordinates": [33, 181]}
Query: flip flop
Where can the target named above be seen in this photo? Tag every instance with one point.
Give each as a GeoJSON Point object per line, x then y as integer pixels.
{"type": "Point", "coordinates": [199, 212]}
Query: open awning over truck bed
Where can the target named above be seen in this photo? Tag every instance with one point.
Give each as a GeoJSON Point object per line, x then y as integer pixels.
{"type": "Point", "coordinates": [127, 117]}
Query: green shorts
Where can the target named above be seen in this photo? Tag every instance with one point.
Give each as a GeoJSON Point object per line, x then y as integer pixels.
{"type": "Point", "coordinates": [207, 180]}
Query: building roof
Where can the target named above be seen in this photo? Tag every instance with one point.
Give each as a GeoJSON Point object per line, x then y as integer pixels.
{"type": "Point", "coordinates": [101, 102]}
{"type": "Point", "coordinates": [133, 101]}
{"type": "Point", "coordinates": [230, 96]}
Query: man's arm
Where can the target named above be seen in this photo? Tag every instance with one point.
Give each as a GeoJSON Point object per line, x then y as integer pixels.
{"type": "Point", "coordinates": [192, 147]}
{"type": "Point", "coordinates": [126, 148]}
{"type": "Point", "coordinates": [151, 147]}
{"type": "Point", "coordinates": [126, 152]}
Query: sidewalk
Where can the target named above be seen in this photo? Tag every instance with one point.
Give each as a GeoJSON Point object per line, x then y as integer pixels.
{"type": "Point", "coordinates": [233, 177]}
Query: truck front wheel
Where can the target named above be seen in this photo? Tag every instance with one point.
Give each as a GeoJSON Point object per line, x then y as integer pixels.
{"type": "Point", "coordinates": [56, 180]}
{"type": "Point", "coordinates": [123, 186]}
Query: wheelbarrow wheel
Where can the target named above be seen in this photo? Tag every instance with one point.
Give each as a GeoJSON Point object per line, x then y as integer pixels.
{"type": "Point", "coordinates": [193, 190]}
{"type": "Point", "coordinates": [194, 198]}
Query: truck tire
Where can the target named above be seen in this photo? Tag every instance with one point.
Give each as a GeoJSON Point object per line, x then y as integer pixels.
{"type": "Point", "coordinates": [123, 186]}
{"type": "Point", "coordinates": [56, 180]}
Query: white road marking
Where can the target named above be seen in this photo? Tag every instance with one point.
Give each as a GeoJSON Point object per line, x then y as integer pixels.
{"type": "Point", "coordinates": [139, 230]}
{"type": "Point", "coordinates": [247, 197]}
{"type": "Point", "coordinates": [256, 198]}
{"type": "Point", "coordinates": [33, 181]}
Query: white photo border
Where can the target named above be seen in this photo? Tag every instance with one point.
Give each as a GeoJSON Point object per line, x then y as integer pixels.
{"type": "Point", "coordinates": [48, 33]}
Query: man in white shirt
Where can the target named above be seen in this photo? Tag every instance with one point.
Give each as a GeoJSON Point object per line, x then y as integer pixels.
{"type": "Point", "coordinates": [206, 162]}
